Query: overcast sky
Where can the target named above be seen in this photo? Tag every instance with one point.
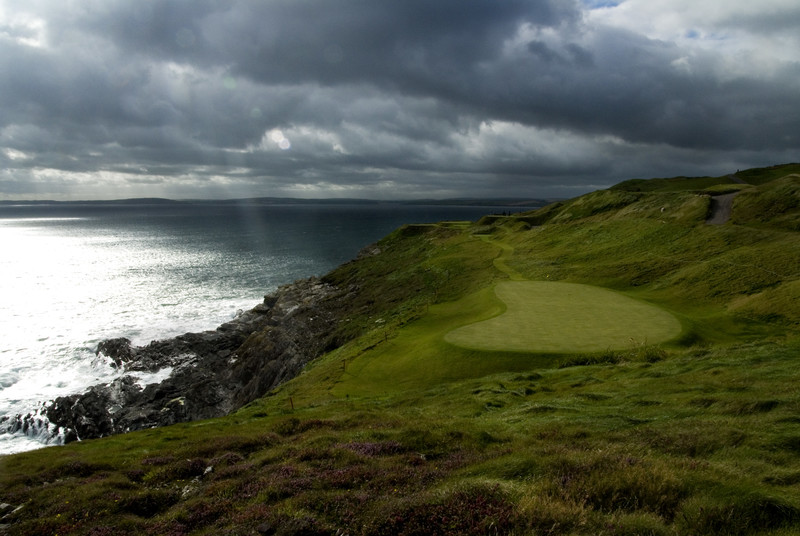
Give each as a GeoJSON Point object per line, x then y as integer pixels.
{"type": "Point", "coordinates": [105, 99]}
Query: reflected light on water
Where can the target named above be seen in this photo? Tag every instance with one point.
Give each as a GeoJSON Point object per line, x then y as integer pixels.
{"type": "Point", "coordinates": [63, 292]}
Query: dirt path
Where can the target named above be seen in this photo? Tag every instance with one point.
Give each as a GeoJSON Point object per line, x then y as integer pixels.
{"type": "Point", "coordinates": [721, 206]}
{"type": "Point", "coordinates": [500, 261]}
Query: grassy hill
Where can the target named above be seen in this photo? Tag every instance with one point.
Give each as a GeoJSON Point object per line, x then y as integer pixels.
{"type": "Point", "coordinates": [399, 430]}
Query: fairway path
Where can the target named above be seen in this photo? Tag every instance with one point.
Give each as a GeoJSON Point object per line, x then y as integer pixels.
{"type": "Point", "coordinates": [500, 261]}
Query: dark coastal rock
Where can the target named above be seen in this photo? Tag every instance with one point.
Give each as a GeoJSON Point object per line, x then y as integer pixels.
{"type": "Point", "coordinates": [213, 372]}
{"type": "Point", "coordinates": [7, 514]}
{"type": "Point", "coordinates": [83, 416]}
{"type": "Point", "coordinates": [118, 350]}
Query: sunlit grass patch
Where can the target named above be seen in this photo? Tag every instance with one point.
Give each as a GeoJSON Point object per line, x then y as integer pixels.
{"type": "Point", "coordinates": [550, 317]}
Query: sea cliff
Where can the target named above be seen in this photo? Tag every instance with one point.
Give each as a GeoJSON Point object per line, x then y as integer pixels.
{"type": "Point", "coordinates": [213, 372]}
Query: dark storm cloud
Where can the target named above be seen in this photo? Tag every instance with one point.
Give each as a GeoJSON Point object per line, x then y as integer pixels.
{"type": "Point", "coordinates": [411, 45]}
{"type": "Point", "coordinates": [310, 97]}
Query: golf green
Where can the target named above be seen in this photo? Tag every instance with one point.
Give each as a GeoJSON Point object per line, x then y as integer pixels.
{"type": "Point", "coordinates": [553, 317]}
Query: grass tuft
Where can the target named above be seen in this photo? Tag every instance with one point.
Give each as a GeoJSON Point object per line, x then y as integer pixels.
{"type": "Point", "coordinates": [737, 512]}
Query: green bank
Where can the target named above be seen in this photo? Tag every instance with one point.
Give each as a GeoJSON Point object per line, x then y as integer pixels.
{"type": "Point", "coordinates": [609, 364]}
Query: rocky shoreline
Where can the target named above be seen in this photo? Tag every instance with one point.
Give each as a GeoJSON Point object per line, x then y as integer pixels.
{"type": "Point", "coordinates": [213, 372]}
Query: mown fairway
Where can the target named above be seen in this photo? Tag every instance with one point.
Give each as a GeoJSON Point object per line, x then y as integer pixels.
{"type": "Point", "coordinates": [550, 317]}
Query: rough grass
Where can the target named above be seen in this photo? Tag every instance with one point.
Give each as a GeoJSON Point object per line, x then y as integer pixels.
{"type": "Point", "coordinates": [671, 263]}
{"type": "Point", "coordinates": [699, 442]}
{"type": "Point", "coordinates": [673, 184]}
{"type": "Point", "coordinates": [767, 174]}
{"type": "Point", "coordinates": [399, 432]}
{"type": "Point", "coordinates": [771, 205]}
{"type": "Point", "coordinates": [547, 317]}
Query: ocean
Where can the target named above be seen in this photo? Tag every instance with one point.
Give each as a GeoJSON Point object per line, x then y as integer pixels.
{"type": "Point", "coordinates": [72, 275]}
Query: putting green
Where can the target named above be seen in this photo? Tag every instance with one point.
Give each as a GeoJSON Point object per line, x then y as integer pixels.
{"type": "Point", "coordinates": [551, 317]}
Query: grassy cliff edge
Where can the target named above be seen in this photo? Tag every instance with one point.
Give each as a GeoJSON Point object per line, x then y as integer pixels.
{"type": "Point", "coordinates": [398, 431]}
